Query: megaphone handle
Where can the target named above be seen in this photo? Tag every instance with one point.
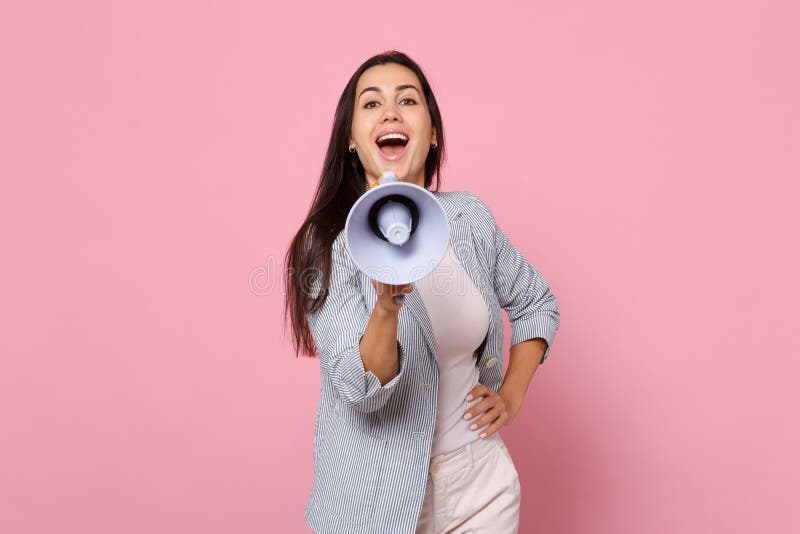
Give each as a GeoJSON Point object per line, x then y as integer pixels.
{"type": "Point", "coordinates": [399, 299]}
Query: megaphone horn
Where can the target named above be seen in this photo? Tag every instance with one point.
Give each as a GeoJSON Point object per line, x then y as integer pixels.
{"type": "Point", "coordinates": [397, 232]}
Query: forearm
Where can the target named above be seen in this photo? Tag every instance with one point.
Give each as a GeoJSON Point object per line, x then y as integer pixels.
{"type": "Point", "coordinates": [524, 360]}
{"type": "Point", "coordinates": [378, 345]}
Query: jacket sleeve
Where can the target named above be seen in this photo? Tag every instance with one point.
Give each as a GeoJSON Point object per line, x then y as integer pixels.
{"type": "Point", "coordinates": [337, 329]}
{"type": "Point", "coordinates": [521, 290]}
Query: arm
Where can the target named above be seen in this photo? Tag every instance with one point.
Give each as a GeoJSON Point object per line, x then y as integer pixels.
{"type": "Point", "coordinates": [525, 358]}
{"type": "Point", "coordinates": [379, 348]}
{"type": "Point", "coordinates": [343, 327]}
{"type": "Point", "coordinates": [533, 311]}
{"type": "Point", "coordinates": [525, 295]}
{"type": "Point", "coordinates": [531, 307]}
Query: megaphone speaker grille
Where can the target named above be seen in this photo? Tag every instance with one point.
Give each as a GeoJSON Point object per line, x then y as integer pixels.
{"type": "Point", "coordinates": [373, 213]}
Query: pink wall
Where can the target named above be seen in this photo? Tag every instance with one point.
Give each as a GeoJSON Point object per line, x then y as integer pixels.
{"type": "Point", "coordinates": [156, 157]}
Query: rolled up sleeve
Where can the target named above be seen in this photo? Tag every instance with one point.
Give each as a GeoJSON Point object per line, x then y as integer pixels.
{"type": "Point", "coordinates": [522, 291]}
{"type": "Point", "coordinates": [337, 328]}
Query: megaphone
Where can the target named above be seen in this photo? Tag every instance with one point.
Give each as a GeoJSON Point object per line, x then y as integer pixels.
{"type": "Point", "coordinates": [397, 232]}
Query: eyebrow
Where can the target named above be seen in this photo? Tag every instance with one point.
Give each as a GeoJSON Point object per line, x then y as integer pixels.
{"type": "Point", "coordinates": [398, 88]}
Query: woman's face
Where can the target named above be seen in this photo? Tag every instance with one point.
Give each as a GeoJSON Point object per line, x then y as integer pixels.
{"type": "Point", "coordinates": [389, 100]}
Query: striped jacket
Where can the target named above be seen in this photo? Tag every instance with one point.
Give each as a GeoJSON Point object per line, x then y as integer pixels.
{"type": "Point", "coordinates": [372, 443]}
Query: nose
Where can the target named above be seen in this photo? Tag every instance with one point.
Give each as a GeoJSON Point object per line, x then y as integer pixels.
{"type": "Point", "coordinates": [390, 113]}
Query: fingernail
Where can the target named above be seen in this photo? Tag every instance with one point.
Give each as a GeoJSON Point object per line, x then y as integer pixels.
{"type": "Point", "coordinates": [467, 416]}
{"type": "Point", "coordinates": [483, 434]}
{"type": "Point", "coordinates": [469, 397]}
{"type": "Point", "coordinates": [473, 427]}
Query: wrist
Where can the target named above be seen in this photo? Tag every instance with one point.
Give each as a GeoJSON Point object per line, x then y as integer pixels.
{"type": "Point", "coordinates": [386, 310]}
{"type": "Point", "coordinates": [512, 396]}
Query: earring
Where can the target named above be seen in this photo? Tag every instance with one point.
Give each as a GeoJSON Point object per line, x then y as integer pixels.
{"type": "Point", "coordinates": [434, 144]}
{"type": "Point", "coordinates": [351, 148]}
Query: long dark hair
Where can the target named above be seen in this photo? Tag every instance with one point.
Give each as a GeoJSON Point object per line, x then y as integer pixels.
{"type": "Point", "coordinates": [341, 182]}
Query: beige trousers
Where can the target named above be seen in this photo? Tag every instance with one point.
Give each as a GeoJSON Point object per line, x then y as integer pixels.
{"type": "Point", "coordinates": [474, 489]}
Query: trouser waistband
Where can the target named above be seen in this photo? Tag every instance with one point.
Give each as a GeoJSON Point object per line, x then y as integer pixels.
{"type": "Point", "coordinates": [448, 463]}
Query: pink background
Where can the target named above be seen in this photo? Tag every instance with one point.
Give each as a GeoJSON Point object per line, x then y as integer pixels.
{"type": "Point", "coordinates": [156, 158]}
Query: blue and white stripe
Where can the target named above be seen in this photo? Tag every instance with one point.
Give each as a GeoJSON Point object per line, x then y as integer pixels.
{"type": "Point", "coordinates": [372, 443]}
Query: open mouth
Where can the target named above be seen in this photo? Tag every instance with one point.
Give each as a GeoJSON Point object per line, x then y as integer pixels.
{"type": "Point", "coordinates": [393, 145]}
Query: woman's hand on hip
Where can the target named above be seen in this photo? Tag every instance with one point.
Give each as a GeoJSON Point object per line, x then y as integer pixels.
{"type": "Point", "coordinates": [495, 409]}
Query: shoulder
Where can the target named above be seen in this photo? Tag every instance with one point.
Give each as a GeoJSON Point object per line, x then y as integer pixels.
{"type": "Point", "coordinates": [470, 205]}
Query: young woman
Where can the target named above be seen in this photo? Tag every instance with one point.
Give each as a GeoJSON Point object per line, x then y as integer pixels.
{"type": "Point", "coordinates": [412, 394]}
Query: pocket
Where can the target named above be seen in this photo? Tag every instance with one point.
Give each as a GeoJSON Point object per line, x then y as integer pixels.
{"type": "Point", "coordinates": [348, 470]}
{"type": "Point", "coordinates": [511, 465]}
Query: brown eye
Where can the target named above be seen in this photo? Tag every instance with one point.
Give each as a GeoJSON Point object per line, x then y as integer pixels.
{"type": "Point", "coordinates": [409, 100]}
{"type": "Point", "coordinates": [367, 105]}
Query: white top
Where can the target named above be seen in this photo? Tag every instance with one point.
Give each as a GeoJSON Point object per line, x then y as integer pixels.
{"type": "Point", "coordinates": [460, 320]}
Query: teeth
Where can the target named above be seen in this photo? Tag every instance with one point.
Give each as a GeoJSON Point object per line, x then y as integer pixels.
{"type": "Point", "coordinates": [393, 136]}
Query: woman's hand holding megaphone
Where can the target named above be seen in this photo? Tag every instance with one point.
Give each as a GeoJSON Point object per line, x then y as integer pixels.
{"type": "Point", "coordinates": [391, 297]}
